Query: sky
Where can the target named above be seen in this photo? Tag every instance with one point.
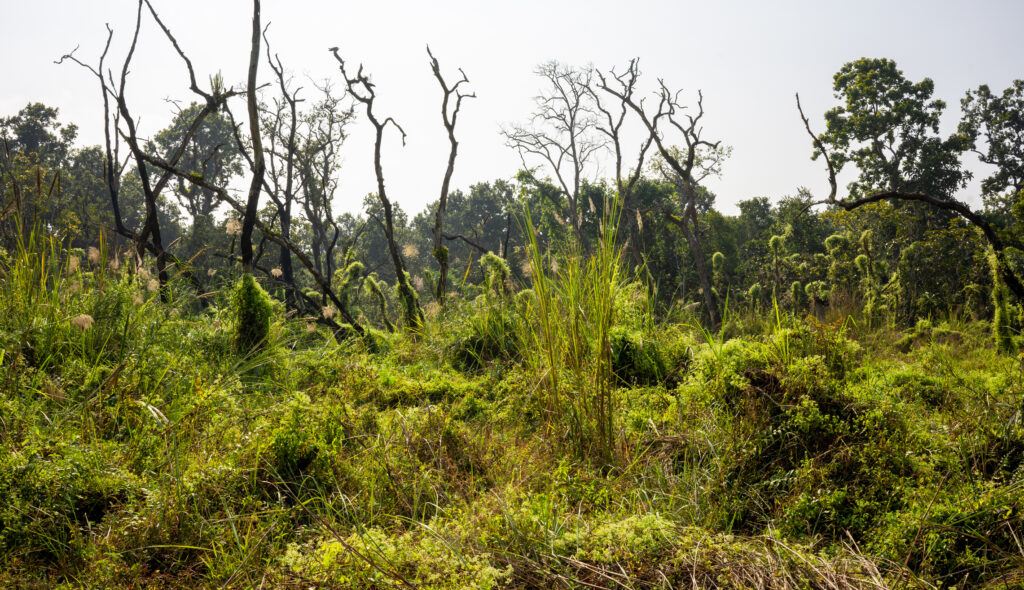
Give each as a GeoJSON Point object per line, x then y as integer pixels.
{"type": "Point", "coordinates": [748, 58]}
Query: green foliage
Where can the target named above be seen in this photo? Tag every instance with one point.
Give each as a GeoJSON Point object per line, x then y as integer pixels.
{"type": "Point", "coordinates": [636, 360]}
{"type": "Point", "coordinates": [798, 295]}
{"type": "Point", "coordinates": [497, 271]}
{"type": "Point", "coordinates": [253, 312]}
{"type": "Point", "coordinates": [490, 332]}
{"type": "Point", "coordinates": [1001, 316]}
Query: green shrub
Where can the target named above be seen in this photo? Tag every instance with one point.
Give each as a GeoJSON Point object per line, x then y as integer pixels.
{"type": "Point", "coordinates": [636, 360]}
{"type": "Point", "coordinates": [490, 332]}
{"type": "Point", "coordinates": [253, 310]}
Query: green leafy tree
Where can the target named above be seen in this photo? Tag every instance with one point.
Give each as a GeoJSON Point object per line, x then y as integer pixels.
{"type": "Point", "coordinates": [997, 120]}
{"type": "Point", "coordinates": [36, 129]}
{"type": "Point", "coordinates": [888, 126]}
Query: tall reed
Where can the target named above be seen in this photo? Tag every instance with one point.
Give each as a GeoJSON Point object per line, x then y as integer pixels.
{"type": "Point", "coordinates": [570, 319]}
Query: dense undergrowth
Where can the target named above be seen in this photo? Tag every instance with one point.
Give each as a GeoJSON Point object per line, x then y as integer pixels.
{"type": "Point", "coordinates": [145, 445]}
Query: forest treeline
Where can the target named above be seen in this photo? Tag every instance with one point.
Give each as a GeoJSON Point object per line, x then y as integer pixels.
{"type": "Point", "coordinates": [898, 244]}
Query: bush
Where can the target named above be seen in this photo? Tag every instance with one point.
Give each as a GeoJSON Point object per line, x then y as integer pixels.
{"type": "Point", "coordinates": [636, 360]}
{"type": "Point", "coordinates": [252, 315]}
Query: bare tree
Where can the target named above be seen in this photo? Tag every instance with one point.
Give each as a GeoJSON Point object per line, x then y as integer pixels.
{"type": "Point", "coordinates": [323, 131]}
{"type": "Point", "coordinates": [690, 164]}
{"type": "Point", "coordinates": [281, 170]}
{"type": "Point", "coordinates": [362, 89]}
{"type": "Point", "coordinates": [611, 126]}
{"type": "Point", "coordinates": [562, 133]}
{"type": "Point", "coordinates": [112, 166]}
{"type": "Point", "coordinates": [259, 164]}
{"type": "Point", "coordinates": [148, 237]}
{"type": "Point", "coordinates": [449, 116]}
{"type": "Point", "coordinates": [170, 168]}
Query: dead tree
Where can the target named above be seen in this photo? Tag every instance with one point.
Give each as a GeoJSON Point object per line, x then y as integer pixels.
{"type": "Point", "coordinates": [688, 165]}
{"type": "Point", "coordinates": [169, 168]}
{"type": "Point", "coordinates": [148, 237]}
{"type": "Point", "coordinates": [282, 166]}
{"type": "Point", "coordinates": [449, 116]}
{"type": "Point", "coordinates": [259, 164]}
{"type": "Point", "coordinates": [270, 233]}
{"type": "Point", "coordinates": [943, 203]}
{"type": "Point", "coordinates": [112, 166]}
{"type": "Point", "coordinates": [563, 134]}
{"type": "Point", "coordinates": [362, 89]}
{"type": "Point", "coordinates": [323, 131]}
{"type": "Point", "coordinates": [625, 181]}
{"type": "Point", "coordinates": [302, 158]}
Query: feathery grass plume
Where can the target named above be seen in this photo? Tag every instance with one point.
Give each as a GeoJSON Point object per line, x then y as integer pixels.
{"type": "Point", "coordinates": [754, 295]}
{"type": "Point", "coordinates": [253, 311]}
{"type": "Point", "coordinates": [94, 255]}
{"type": "Point", "coordinates": [798, 294]}
{"type": "Point", "coordinates": [410, 250]}
{"type": "Point", "coordinates": [276, 272]}
{"type": "Point", "coordinates": [233, 226]}
{"type": "Point", "coordinates": [82, 321]}
{"type": "Point", "coordinates": [497, 271]}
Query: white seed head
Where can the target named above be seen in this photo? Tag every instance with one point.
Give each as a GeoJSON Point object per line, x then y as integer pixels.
{"type": "Point", "coordinates": [233, 226]}
{"type": "Point", "coordinates": [83, 321]}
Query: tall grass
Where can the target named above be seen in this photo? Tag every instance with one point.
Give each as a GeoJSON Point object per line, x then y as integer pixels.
{"type": "Point", "coordinates": [567, 332]}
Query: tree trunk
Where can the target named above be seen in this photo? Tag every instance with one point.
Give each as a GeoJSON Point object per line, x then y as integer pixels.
{"type": "Point", "coordinates": [259, 165]}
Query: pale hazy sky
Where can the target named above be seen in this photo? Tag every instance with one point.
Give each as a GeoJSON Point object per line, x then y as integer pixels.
{"type": "Point", "coordinates": [749, 58]}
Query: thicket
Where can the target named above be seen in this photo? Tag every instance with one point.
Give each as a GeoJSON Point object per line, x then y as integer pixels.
{"type": "Point", "coordinates": [141, 448]}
